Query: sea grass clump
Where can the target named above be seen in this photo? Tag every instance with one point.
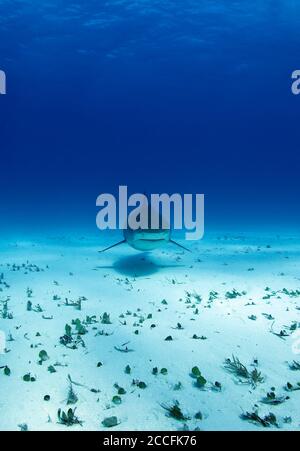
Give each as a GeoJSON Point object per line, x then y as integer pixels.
{"type": "Point", "coordinates": [272, 399]}
{"type": "Point", "coordinates": [5, 313]}
{"type": "Point", "coordinates": [234, 294]}
{"type": "Point", "coordinates": [266, 421]}
{"type": "Point", "coordinates": [294, 366]}
{"type": "Point", "coordinates": [105, 318]}
{"type": "Point", "coordinates": [256, 377]}
{"type": "Point", "coordinates": [80, 328]}
{"type": "Point", "coordinates": [72, 398]}
{"type": "Point", "coordinates": [174, 411]}
{"type": "Point", "coordinates": [291, 387]}
{"type": "Point", "coordinates": [72, 342]}
{"type": "Point", "coordinates": [68, 418]}
{"type": "Point", "coordinates": [235, 367]}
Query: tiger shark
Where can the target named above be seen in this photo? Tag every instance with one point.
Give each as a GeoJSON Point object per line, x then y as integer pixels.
{"type": "Point", "coordinates": [147, 239]}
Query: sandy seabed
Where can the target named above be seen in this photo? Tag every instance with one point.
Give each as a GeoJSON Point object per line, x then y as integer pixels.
{"type": "Point", "coordinates": [127, 329]}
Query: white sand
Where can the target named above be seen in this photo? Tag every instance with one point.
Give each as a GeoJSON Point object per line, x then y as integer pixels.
{"type": "Point", "coordinates": [108, 282]}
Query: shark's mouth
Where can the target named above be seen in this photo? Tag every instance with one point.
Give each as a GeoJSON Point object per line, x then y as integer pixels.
{"type": "Point", "coordinates": [150, 240]}
{"type": "Point", "coordinates": [152, 236]}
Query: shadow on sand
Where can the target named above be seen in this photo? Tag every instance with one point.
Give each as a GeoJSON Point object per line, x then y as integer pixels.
{"type": "Point", "coordinates": [137, 266]}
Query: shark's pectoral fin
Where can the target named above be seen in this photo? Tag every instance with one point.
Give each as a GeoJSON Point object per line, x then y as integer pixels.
{"type": "Point", "coordinates": [114, 245]}
{"type": "Point", "coordinates": [179, 245]}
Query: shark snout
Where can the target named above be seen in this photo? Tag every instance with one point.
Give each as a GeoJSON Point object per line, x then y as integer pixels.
{"type": "Point", "coordinates": [153, 235]}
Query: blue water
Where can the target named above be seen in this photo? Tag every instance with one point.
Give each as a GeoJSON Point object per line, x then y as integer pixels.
{"type": "Point", "coordinates": [190, 96]}
{"type": "Point", "coordinates": [160, 95]}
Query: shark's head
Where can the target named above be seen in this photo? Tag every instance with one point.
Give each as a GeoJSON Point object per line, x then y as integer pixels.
{"type": "Point", "coordinates": [150, 238]}
{"type": "Point", "coordinates": [147, 239]}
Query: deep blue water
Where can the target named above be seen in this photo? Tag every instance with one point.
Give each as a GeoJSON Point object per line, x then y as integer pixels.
{"type": "Point", "coordinates": [161, 95]}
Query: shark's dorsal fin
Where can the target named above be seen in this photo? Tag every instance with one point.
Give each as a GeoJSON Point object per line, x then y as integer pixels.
{"type": "Point", "coordinates": [113, 245]}
{"type": "Point", "coordinates": [179, 245]}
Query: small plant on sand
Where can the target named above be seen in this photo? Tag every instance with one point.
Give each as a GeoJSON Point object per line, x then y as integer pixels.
{"type": "Point", "coordinates": [212, 296]}
{"type": "Point", "coordinates": [76, 304]}
{"type": "Point", "coordinates": [281, 334]}
{"type": "Point", "coordinates": [72, 398]}
{"type": "Point", "coordinates": [139, 384]}
{"type": "Point", "coordinates": [105, 318]}
{"type": "Point", "coordinates": [291, 387]}
{"type": "Point", "coordinates": [163, 371]}
{"type": "Point", "coordinates": [4, 310]}
{"type": "Point", "coordinates": [193, 296]}
{"type": "Point", "coordinates": [69, 418]}
{"type": "Point", "coordinates": [252, 317]}
{"type": "Point", "coordinates": [198, 416]}
{"type": "Point", "coordinates": [90, 320]}
{"type": "Point", "coordinates": [200, 380]}
{"type": "Point", "coordinates": [10, 337]}
{"type": "Point", "coordinates": [256, 377]}
{"type": "Point", "coordinates": [174, 411]}
{"type": "Point", "coordinates": [268, 316]}
{"type": "Point", "coordinates": [291, 293]}
{"type": "Point", "coordinates": [294, 326]}
{"type": "Point", "coordinates": [68, 340]}
{"type": "Point", "coordinates": [235, 367]}
{"type": "Point", "coordinates": [43, 356]}
{"type": "Point", "coordinates": [121, 390]}
{"type": "Point", "coordinates": [68, 330]}
{"type": "Point", "coordinates": [6, 370]}
{"type": "Point", "coordinates": [103, 333]}
{"type": "Point", "coordinates": [127, 369]}
{"type": "Point", "coordinates": [266, 421]}
{"type": "Point", "coordinates": [177, 386]}
{"type": "Point", "coordinates": [117, 400]}
{"type": "Point", "coordinates": [178, 327]}
{"type": "Point", "coordinates": [80, 329]}
{"type": "Point", "coordinates": [217, 386]}
{"type": "Point", "coordinates": [29, 378]}
{"type": "Point", "coordinates": [197, 337]}
{"type": "Point", "coordinates": [273, 399]}
{"type": "Point", "coordinates": [124, 348]}
{"type": "Point", "coordinates": [295, 366]}
{"type": "Point", "coordinates": [37, 308]}
{"type": "Point", "coordinates": [234, 294]}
